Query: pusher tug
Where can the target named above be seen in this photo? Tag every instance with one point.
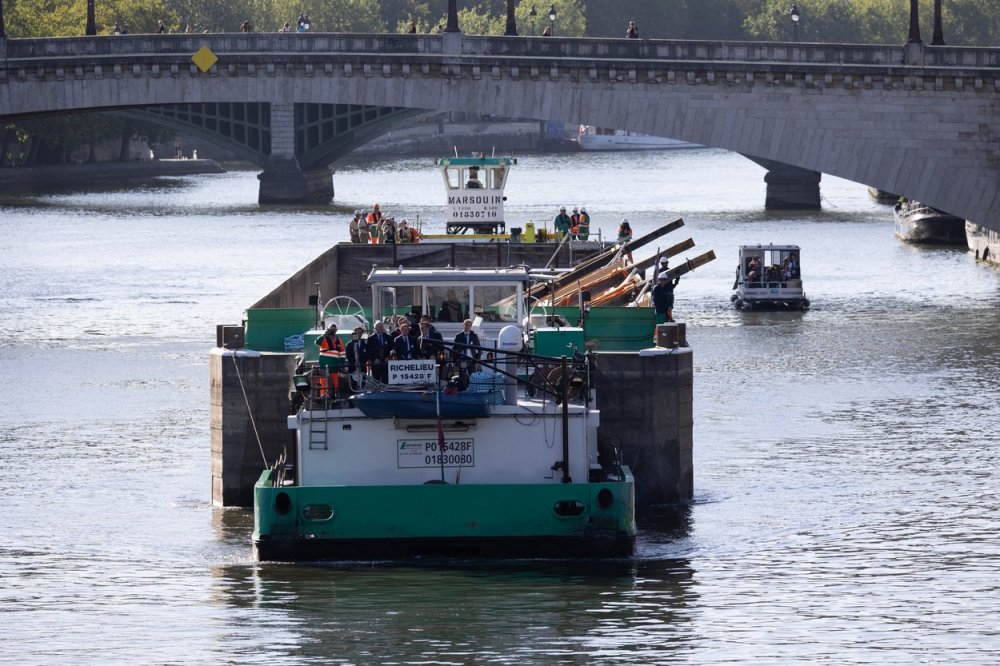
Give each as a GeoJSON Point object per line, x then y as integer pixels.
{"type": "Point", "coordinates": [455, 456]}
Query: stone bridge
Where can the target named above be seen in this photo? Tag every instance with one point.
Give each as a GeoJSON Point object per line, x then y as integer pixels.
{"type": "Point", "coordinates": [917, 120]}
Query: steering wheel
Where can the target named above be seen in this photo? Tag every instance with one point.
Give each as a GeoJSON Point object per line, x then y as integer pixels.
{"type": "Point", "coordinates": [345, 312]}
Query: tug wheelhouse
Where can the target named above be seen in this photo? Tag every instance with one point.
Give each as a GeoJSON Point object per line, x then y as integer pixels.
{"type": "Point", "coordinates": [475, 189]}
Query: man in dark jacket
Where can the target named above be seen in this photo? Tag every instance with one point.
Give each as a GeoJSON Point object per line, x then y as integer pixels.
{"type": "Point", "coordinates": [405, 347]}
{"type": "Point", "coordinates": [463, 341]}
{"type": "Point", "coordinates": [663, 297]}
{"type": "Point", "coordinates": [379, 346]}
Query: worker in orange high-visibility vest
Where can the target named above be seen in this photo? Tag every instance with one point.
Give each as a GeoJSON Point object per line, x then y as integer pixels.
{"type": "Point", "coordinates": [332, 355]}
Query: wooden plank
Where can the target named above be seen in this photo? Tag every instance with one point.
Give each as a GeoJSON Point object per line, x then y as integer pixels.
{"type": "Point", "coordinates": [604, 258]}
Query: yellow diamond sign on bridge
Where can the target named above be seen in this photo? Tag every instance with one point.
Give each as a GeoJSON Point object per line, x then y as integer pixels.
{"type": "Point", "coordinates": [204, 58]}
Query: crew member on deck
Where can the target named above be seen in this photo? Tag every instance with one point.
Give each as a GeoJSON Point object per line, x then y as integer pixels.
{"type": "Point", "coordinates": [662, 296]}
{"type": "Point", "coordinates": [473, 183]}
{"type": "Point", "coordinates": [332, 355]}
{"type": "Point", "coordinates": [561, 223]}
{"type": "Point", "coordinates": [584, 224]}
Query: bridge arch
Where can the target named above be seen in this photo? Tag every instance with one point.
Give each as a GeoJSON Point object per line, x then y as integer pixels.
{"type": "Point", "coordinates": [916, 120]}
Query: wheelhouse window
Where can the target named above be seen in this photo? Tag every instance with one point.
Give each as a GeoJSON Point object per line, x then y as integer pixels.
{"type": "Point", "coordinates": [497, 303]}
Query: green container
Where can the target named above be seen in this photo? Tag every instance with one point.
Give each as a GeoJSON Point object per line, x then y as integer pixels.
{"type": "Point", "coordinates": [558, 342]}
{"type": "Point", "coordinates": [267, 328]}
{"type": "Point", "coordinates": [620, 328]}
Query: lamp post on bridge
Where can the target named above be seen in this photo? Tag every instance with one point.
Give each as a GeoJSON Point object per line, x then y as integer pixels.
{"type": "Point", "coordinates": [938, 38]}
{"type": "Point", "coordinates": [795, 22]}
{"type": "Point", "coordinates": [511, 30]}
{"type": "Point", "coordinates": [91, 22]}
{"type": "Point", "coordinates": [452, 17]}
{"type": "Point", "coordinates": [552, 21]}
{"type": "Point", "coordinates": [531, 15]}
{"type": "Point", "coordinates": [914, 37]}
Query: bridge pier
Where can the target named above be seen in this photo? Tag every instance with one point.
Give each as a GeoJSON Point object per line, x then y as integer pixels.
{"type": "Point", "coordinates": [792, 188]}
{"type": "Point", "coordinates": [283, 180]}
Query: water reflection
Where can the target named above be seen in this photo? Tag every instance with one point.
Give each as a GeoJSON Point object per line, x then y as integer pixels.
{"type": "Point", "coordinates": [461, 611]}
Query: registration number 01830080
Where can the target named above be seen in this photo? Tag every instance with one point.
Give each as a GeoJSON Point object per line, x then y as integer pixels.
{"type": "Point", "coordinates": [419, 453]}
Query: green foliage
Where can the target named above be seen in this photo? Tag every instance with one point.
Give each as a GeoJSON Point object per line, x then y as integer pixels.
{"type": "Point", "coordinates": [966, 22]}
{"type": "Point", "coordinates": [489, 17]}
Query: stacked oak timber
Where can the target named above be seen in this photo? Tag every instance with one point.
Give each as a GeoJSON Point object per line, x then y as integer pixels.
{"type": "Point", "coordinates": [614, 278]}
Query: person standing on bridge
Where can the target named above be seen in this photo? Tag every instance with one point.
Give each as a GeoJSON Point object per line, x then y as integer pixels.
{"type": "Point", "coordinates": [160, 28]}
{"type": "Point", "coordinates": [632, 32]}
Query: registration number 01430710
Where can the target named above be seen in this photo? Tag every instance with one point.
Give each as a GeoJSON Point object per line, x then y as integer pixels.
{"type": "Point", "coordinates": [420, 453]}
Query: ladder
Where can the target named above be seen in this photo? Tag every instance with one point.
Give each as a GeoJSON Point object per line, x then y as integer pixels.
{"type": "Point", "coordinates": [318, 400]}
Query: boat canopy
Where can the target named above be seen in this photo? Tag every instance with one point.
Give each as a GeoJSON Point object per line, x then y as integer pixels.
{"type": "Point", "coordinates": [769, 263]}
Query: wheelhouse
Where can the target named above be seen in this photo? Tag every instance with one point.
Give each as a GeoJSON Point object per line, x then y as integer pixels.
{"type": "Point", "coordinates": [492, 298]}
{"type": "Point", "coordinates": [475, 187]}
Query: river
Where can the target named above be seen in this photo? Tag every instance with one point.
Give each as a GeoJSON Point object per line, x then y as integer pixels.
{"type": "Point", "coordinates": [847, 498]}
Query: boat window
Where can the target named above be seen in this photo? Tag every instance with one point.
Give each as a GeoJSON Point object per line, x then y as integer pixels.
{"type": "Point", "coordinates": [474, 178]}
{"type": "Point", "coordinates": [497, 303]}
{"type": "Point", "coordinates": [452, 178]}
{"type": "Point", "coordinates": [498, 178]}
{"type": "Point", "coordinates": [447, 303]}
{"type": "Point", "coordinates": [396, 300]}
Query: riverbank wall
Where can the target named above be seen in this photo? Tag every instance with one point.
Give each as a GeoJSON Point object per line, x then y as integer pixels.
{"type": "Point", "coordinates": [41, 176]}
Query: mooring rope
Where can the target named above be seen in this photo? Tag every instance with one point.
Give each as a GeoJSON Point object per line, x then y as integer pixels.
{"type": "Point", "coordinates": [246, 400]}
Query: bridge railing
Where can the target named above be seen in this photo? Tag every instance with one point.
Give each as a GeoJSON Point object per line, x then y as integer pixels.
{"type": "Point", "coordinates": [311, 45]}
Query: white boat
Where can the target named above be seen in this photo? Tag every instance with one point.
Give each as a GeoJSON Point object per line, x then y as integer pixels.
{"type": "Point", "coordinates": [915, 222]}
{"type": "Point", "coordinates": [769, 277]}
{"type": "Point", "coordinates": [985, 243]}
{"type": "Point", "coordinates": [602, 138]}
{"type": "Point", "coordinates": [502, 463]}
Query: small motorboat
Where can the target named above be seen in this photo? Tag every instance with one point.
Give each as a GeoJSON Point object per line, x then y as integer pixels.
{"type": "Point", "coordinates": [919, 223]}
{"type": "Point", "coordinates": [769, 277]}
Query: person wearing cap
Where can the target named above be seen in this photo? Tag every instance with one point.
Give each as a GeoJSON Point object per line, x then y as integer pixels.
{"type": "Point", "coordinates": [364, 234]}
{"type": "Point", "coordinates": [403, 232]}
{"type": "Point", "coordinates": [584, 224]}
{"type": "Point", "coordinates": [331, 355]}
{"type": "Point", "coordinates": [355, 227]}
{"type": "Point", "coordinates": [574, 224]}
{"type": "Point", "coordinates": [388, 231]}
{"type": "Point", "coordinates": [625, 234]}
{"type": "Point", "coordinates": [561, 223]}
{"type": "Point", "coordinates": [662, 295]}
{"type": "Point", "coordinates": [375, 223]}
